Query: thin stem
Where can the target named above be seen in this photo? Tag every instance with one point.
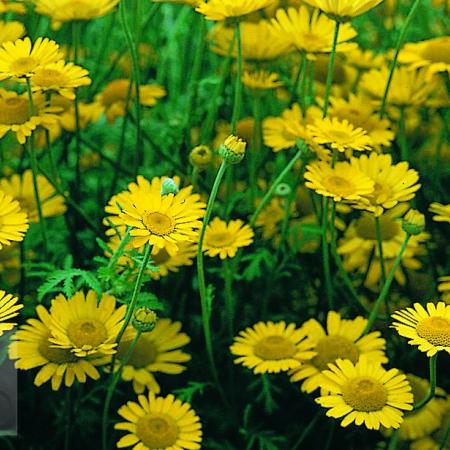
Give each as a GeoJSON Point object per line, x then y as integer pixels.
{"type": "Point", "coordinates": [300, 75]}
{"type": "Point", "coordinates": [401, 38]}
{"type": "Point", "coordinates": [380, 249]}
{"type": "Point", "coordinates": [326, 98]}
{"type": "Point", "coordinates": [404, 151]}
{"type": "Point", "coordinates": [432, 388]}
{"type": "Point", "coordinates": [238, 86]}
{"type": "Point", "coordinates": [443, 444]}
{"type": "Point", "coordinates": [393, 440]}
{"type": "Point", "coordinates": [119, 250]}
{"type": "Point", "coordinates": [112, 387]}
{"type": "Point", "coordinates": [307, 431]}
{"type": "Point", "coordinates": [229, 297]}
{"type": "Point", "coordinates": [255, 151]}
{"type": "Point", "coordinates": [326, 254]}
{"type": "Point", "coordinates": [384, 292]}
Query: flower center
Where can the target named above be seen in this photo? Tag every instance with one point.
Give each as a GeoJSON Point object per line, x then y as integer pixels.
{"type": "Point", "coordinates": [364, 394]}
{"type": "Point", "coordinates": [55, 355]}
{"type": "Point", "coordinates": [48, 78]}
{"type": "Point", "coordinates": [24, 65]}
{"type": "Point", "coordinates": [382, 193]}
{"type": "Point", "coordinates": [390, 228]}
{"type": "Point", "coordinates": [158, 223]}
{"type": "Point", "coordinates": [340, 136]}
{"type": "Point", "coordinates": [340, 186]}
{"type": "Point", "coordinates": [14, 111]}
{"type": "Point", "coordinates": [437, 52]}
{"type": "Point", "coordinates": [161, 257]}
{"type": "Point", "coordinates": [143, 354]}
{"type": "Point", "coordinates": [275, 347]}
{"type": "Point", "coordinates": [26, 204]}
{"type": "Point", "coordinates": [157, 431]}
{"type": "Point", "coordinates": [220, 240]}
{"type": "Point", "coordinates": [331, 348]}
{"type": "Point", "coordinates": [87, 332]}
{"type": "Point", "coordinates": [116, 91]}
{"type": "Point", "coordinates": [436, 330]}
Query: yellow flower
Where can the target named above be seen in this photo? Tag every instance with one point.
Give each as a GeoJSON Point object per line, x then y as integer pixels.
{"type": "Point", "coordinates": [21, 188]}
{"type": "Point", "coordinates": [7, 6]}
{"type": "Point", "coordinates": [86, 325]}
{"type": "Point", "coordinates": [270, 217]}
{"type": "Point", "coordinates": [340, 136]}
{"type": "Point", "coordinates": [224, 9]}
{"type": "Point", "coordinates": [31, 348]}
{"type": "Point", "coordinates": [261, 80]}
{"type": "Point", "coordinates": [9, 308]}
{"type": "Point", "coordinates": [344, 10]}
{"type": "Point", "coordinates": [311, 33]}
{"type": "Point", "coordinates": [201, 157]}
{"type": "Point", "coordinates": [13, 221]}
{"type": "Point", "coordinates": [270, 347]}
{"type": "Point", "coordinates": [158, 350]}
{"type": "Point", "coordinates": [21, 58]}
{"type": "Point", "coordinates": [444, 287]}
{"type": "Point", "coordinates": [394, 183]}
{"type": "Point", "coordinates": [442, 212]}
{"type": "Point", "coordinates": [342, 339]}
{"type": "Point", "coordinates": [428, 328]}
{"type": "Point", "coordinates": [10, 31]}
{"type": "Point", "coordinates": [365, 393]}
{"type": "Point", "coordinates": [162, 423]}
{"type": "Point", "coordinates": [343, 182]}
{"type": "Point", "coordinates": [60, 77]}
{"type": "Point", "coordinates": [224, 239]}
{"type": "Point", "coordinates": [363, 59]}
{"type": "Point", "coordinates": [431, 54]}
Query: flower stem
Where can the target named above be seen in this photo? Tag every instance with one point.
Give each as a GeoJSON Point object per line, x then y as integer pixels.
{"type": "Point", "coordinates": [432, 389]}
{"type": "Point", "coordinates": [326, 254]}
{"type": "Point", "coordinates": [300, 76]}
{"type": "Point", "coordinates": [326, 97]}
{"type": "Point", "coordinates": [404, 151]}
{"type": "Point", "coordinates": [393, 440]}
{"type": "Point", "coordinates": [443, 444]}
{"type": "Point", "coordinates": [380, 249]}
{"type": "Point", "coordinates": [255, 150]}
{"type": "Point", "coordinates": [112, 387]}
{"type": "Point", "coordinates": [229, 297]}
{"type": "Point", "coordinates": [400, 40]}
{"type": "Point", "coordinates": [384, 292]}
{"type": "Point", "coordinates": [238, 87]}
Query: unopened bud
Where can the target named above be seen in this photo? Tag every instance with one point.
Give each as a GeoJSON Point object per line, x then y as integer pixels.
{"type": "Point", "coordinates": [200, 156]}
{"type": "Point", "coordinates": [283, 190]}
{"type": "Point", "coordinates": [169, 187]}
{"type": "Point", "coordinates": [413, 222]}
{"type": "Point", "coordinates": [144, 319]}
{"type": "Point", "coordinates": [232, 150]}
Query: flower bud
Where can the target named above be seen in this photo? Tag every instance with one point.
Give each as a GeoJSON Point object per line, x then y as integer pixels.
{"type": "Point", "coordinates": [144, 319]}
{"type": "Point", "coordinates": [232, 150]}
{"type": "Point", "coordinates": [200, 157]}
{"type": "Point", "coordinates": [283, 190]}
{"type": "Point", "coordinates": [169, 187]}
{"type": "Point", "coordinates": [413, 222]}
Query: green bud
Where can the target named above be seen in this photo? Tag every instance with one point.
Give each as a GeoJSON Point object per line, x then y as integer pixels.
{"type": "Point", "coordinates": [169, 187]}
{"type": "Point", "coordinates": [413, 222]}
{"type": "Point", "coordinates": [144, 319]}
{"type": "Point", "coordinates": [232, 150]}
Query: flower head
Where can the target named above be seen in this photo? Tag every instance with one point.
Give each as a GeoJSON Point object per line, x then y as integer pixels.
{"type": "Point", "coordinates": [344, 10]}
{"type": "Point", "coordinates": [233, 149]}
{"type": "Point", "coordinates": [441, 212]}
{"type": "Point", "coordinates": [225, 9]}
{"type": "Point", "coordinates": [10, 31]}
{"type": "Point", "coordinates": [13, 221]}
{"type": "Point", "coordinates": [9, 308]}
{"type": "Point", "coordinates": [414, 222]}
{"type": "Point", "coordinates": [261, 80]}
{"type": "Point", "coordinates": [201, 157]}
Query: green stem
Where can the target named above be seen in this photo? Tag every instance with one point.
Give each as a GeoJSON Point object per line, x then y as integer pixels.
{"type": "Point", "coordinates": [300, 75]}
{"type": "Point", "coordinates": [238, 86]}
{"type": "Point", "coordinates": [255, 150]}
{"type": "Point", "coordinates": [400, 40]}
{"type": "Point", "coordinates": [76, 45]}
{"type": "Point", "coordinates": [326, 98]}
{"type": "Point", "coordinates": [307, 431]}
{"type": "Point", "coordinates": [112, 387]}
{"type": "Point", "coordinates": [326, 254]}
{"type": "Point", "coordinates": [443, 444]}
{"type": "Point", "coordinates": [119, 250]}
{"type": "Point", "coordinates": [404, 151]}
{"type": "Point", "coordinates": [229, 297]}
{"type": "Point", "coordinates": [139, 155]}
{"type": "Point", "coordinates": [384, 292]}
{"type": "Point", "coordinates": [380, 249]}
{"type": "Point", "coordinates": [432, 389]}
{"type": "Point", "coordinates": [393, 440]}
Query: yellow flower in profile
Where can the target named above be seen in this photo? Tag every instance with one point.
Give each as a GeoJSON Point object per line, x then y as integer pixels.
{"type": "Point", "coordinates": [8, 6]}
{"type": "Point", "coordinates": [428, 328]}
{"type": "Point", "coordinates": [270, 347]}
{"type": "Point", "coordinates": [344, 10]}
{"type": "Point", "coordinates": [156, 351]}
{"type": "Point", "coordinates": [60, 77]}
{"type": "Point", "coordinates": [365, 393]}
{"type": "Point", "coordinates": [311, 33]}
{"type": "Point", "coordinates": [31, 348]}
{"type": "Point", "coordinates": [441, 212]}
{"type": "Point", "coordinates": [15, 115]}
{"type": "Point", "coordinates": [224, 239]}
{"type": "Point", "coordinates": [9, 308]}
{"type": "Point", "coordinates": [261, 79]}
{"type": "Point", "coordinates": [342, 182]}
{"type": "Point", "coordinates": [86, 325]}
{"type": "Point", "coordinates": [163, 423]}
{"type": "Point", "coordinates": [444, 288]}
{"type": "Point", "coordinates": [21, 58]}
{"type": "Point", "coordinates": [21, 188]}
{"type": "Point", "coordinates": [431, 54]}
{"type": "Point", "coordinates": [225, 9]}
{"type": "Point", "coordinates": [340, 135]}
{"type": "Point", "coordinates": [10, 31]}
{"type": "Point", "coordinates": [13, 221]}
{"type": "Point", "coordinates": [342, 339]}
{"type": "Point", "coordinates": [394, 183]}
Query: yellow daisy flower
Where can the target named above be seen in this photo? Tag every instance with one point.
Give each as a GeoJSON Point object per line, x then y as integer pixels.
{"type": "Point", "coordinates": [32, 348]}
{"type": "Point", "coordinates": [86, 325]}
{"type": "Point", "coordinates": [10, 31]}
{"type": "Point", "coordinates": [311, 32]}
{"type": "Point", "coordinates": [431, 54]}
{"type": "Point", "coordinates": [224, 239]}
{"type": "Point", "coordinates": [270, 217]}
{"type": "Point", "coordinates": [13, 221]}
{"type": "Point", "coordinates": [365, 393]}
{"type": "Point", "coordinates": [21, 188]}
{"type": "Point", "coordinates": [21, 58]}
{"type": "Point", "coordinates": [444, 287]}
{"type": "Point", "coordinates": [441, 212]}
{"type": "Point", "coordinates": [156, 351]}
{"type": "Point", "coordinates": [428, 328]}
{"type": "Point", "coordinates": [261, 79]}
{"type": "Point", "coordinates": [363, 59]}
{"type": "Point", "coordinates": [394, 183]}
{"type": "Point", "coordinates": [343, 182]}
{"type": "Point", "coordinates": [9, 308]}
{"type": "Point", "coordinates": [225, 9]}
{"type": "Point", "coordinates": [270, 347]}
{"type": "Point", "coordinates": [340, 136]}
{"type": "Point", "coordinates": [8, 6]}
{"type": "Point", "coordinates": [342, 339]}
{"type": "Point", "coordinates": [163, 423]}
{"type": "Point", "coordinates": [344, 10]}
{"type": "Point", "coordinates": [60, 77]}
